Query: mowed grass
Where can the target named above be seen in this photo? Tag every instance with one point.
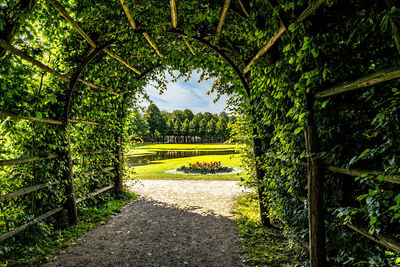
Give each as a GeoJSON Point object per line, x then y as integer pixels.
{"type": "Point", "coordinates": [157, 169]}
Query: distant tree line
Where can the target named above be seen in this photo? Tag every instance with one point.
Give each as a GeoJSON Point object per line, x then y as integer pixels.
{"type": "Point", "coordinates": [179, 126]}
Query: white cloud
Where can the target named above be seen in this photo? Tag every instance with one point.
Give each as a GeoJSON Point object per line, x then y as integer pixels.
{"type": "Point", "coordinates": [190, 95]}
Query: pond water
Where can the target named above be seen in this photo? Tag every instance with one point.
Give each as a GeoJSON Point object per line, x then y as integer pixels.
{"type": "Point", "coordinates": [161, 155]}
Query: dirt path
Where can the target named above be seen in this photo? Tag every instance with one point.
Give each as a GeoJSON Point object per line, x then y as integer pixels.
{"type": "Point", "coordinates": [172, 223]}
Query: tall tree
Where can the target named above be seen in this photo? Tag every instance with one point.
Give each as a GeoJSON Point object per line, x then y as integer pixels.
{"type": "Point", "coordinates": [188, 114]}
{"type": "Point", "coordinates": [178, 127]}
{"type": "Point", "coordinates": [210, 130]}
{"type": "Point", "coordinates": [185, 128]}
{"type": "Point", "coordinates": [136, 126]}
{"type": "Point", "coordinates": [194, 126]}
{"type": "Point", "coordinates": [203, 128]}
{"type": "Point", "coordinates": [155, 121]}
{"type": "Point", "coordinates": [221, 129]}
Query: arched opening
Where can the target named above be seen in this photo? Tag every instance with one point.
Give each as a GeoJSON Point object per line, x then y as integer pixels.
{"type": "Point", "coordinates": [325, 69]}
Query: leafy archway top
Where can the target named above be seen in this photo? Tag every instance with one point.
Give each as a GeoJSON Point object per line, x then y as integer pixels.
{"type": "Point", "coordinates": [148, 35]}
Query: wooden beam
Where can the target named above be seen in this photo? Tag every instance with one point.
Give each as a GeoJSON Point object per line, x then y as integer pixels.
{"type": "Point", "coordinates": [25, 191]}
{"type": "Point", "coordinates": [243, 8]}
{"type": "Point", "coordinates": [308, 11]}
{"type": "Point", "coordinates": [188, 45]}
{"type": "Point", "coordinates": [33, 61]}
{"type": "Point", "coordinates": [86, 122]}
{"type": "Point", "coordinates": [63, 13]}
{"type": "Point", "coordinates": [48, 121]}
{"type": "Point", "coordinates": [264, 50]}
{"type": "Point", "coordinates": [40, 65]}
{"type": "Point", "coordinates": [121, 60]}
{"type": "Point", "coordinates": [395, 179]}
{"type": "Point", "coordinates": [10, 30]}
{"type": "Point", "coordinates": [381, 238]}
{"type": "Point", "coordinates": [94, 86]}
{"type": "Point", "coordinates": [7, 162]}
{"type": "Point", "coordinates": [42, 120]}
{"type": "Point", "coordinates": [376, 78]}
{"type": "Point", "coordinates": [133, 25]}
{"type": "Point", "coordinates": [91, 173]}
{"type": "Point", "coordinates": [94, 193]}
{"type": "Point", "coordinates": [147, 37]}
{"type": "Point", "coordinates": [36, 220]}
{"type": "Point", "coordinates": [174, 13]}
{"type": "Point", "coordinates": [92, 152]}
{"type": "Point", "coordinates": [223, 16]}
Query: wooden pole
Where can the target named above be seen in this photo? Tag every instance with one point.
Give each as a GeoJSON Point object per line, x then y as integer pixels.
{"type": "Point", "coordinates": [257, 149]}
{"type": "Point", "coordinates": [315, 193]}
{"type": "Point", "coordinates": [69, 187]}
{"type": "Point", "coordinates": [119, 177]}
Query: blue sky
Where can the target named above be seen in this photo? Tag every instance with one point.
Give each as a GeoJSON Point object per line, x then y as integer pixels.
{"type": "Point", "coordinates": [191, 95]}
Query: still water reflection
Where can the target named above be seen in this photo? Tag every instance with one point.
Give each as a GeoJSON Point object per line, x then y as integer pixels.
{"type": "Point", "coordinates": [161, 155]}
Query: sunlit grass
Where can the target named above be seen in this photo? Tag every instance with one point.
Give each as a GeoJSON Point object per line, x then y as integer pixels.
{"type": "Point", "coordinates": [157, 169]}
{"type": "Point", "coordinates": [262, 246]}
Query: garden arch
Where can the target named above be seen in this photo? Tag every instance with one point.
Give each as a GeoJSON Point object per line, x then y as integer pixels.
{"type": "Point", "coordinates": [284, 19]}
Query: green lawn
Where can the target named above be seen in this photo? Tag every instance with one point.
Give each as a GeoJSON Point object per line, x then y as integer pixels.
{"type": "Point", "coordinates": [157, 169]}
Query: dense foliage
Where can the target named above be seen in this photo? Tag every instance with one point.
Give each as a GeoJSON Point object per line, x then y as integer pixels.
{"type": "Point", "coordinates": [154, 125]}
{"type": "Point", "coordinates": [341, 41]}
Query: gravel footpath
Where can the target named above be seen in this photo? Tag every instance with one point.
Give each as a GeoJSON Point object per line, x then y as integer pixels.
{"type": "Point", "coordinates": [172, 223]}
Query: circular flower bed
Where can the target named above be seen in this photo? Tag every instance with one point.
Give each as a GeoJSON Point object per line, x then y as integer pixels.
{"type": "Point", "coordinates": [205, 168]}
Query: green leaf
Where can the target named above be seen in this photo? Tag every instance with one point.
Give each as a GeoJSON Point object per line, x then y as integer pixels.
{"type": "Point", "coordinates": [298, 130]}
{"type": "Point", "coordinates": [365, 152]}
{"type": "Point", "coordinates": [372, 220]}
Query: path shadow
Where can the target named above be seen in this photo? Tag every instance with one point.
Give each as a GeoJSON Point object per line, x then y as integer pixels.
{"type": "Point", "coordinates": [152, 233]}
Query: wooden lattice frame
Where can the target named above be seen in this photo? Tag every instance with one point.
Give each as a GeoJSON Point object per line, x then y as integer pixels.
{"type": "Point", "coordinates": [316, 245]}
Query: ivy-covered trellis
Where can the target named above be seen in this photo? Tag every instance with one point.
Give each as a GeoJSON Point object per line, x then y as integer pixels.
{"type": "Point", "coordinates": [70, 69]}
